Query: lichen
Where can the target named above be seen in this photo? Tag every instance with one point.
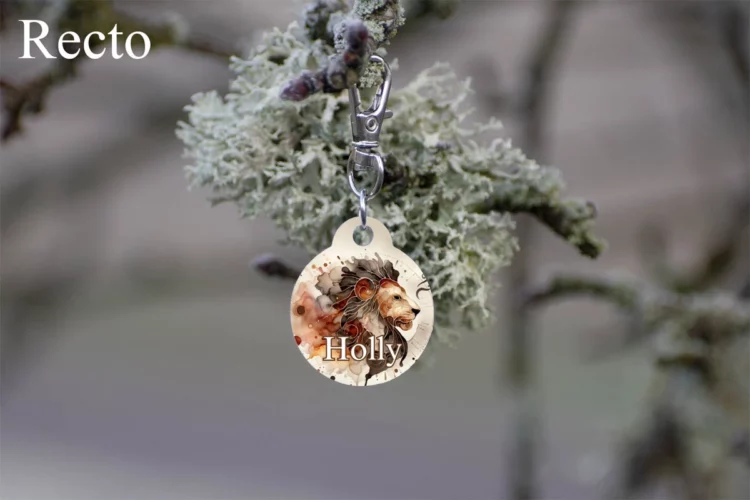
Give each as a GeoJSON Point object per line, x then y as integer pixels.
{"type": "Point", "coordinates": [287, 160]}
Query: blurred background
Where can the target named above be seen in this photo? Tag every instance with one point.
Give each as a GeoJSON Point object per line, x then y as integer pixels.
{"type": "Point", "coordinates": [143, 357]}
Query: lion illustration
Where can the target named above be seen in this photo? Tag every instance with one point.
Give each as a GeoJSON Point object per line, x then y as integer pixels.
{"type": "Point", "coordinates": [358, 300]}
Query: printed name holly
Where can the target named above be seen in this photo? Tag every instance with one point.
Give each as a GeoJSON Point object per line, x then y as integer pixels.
{"type": "Point", "coordinates": [358, 352]}
{"type": "Point", "coordinates": [71, 38]}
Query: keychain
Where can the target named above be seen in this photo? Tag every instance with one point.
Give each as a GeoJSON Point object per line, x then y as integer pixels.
{"type": "Point", "coordinates": [362, 313]}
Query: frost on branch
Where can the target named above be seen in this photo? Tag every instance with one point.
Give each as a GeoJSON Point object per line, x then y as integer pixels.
{"type": "Point", "coordinates": [447, 198]}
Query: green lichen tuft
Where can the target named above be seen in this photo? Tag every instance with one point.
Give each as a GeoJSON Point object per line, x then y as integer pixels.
{"type": "Point", "coordinates": [287, 160]}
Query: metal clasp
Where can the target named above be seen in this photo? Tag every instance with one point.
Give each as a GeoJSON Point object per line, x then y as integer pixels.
{"type": "Point", "coordinates": [366, 124]}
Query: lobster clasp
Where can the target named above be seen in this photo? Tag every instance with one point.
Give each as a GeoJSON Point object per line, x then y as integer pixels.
{"type": "Point", "coordinates": [366, 124]}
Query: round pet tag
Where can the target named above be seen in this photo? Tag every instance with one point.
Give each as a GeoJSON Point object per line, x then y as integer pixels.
{"type": "Point", "coordinates": [362, 315]}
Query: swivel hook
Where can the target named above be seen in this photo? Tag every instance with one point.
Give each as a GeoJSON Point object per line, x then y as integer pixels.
{"type": "Point", "coordinates": [366, 126]}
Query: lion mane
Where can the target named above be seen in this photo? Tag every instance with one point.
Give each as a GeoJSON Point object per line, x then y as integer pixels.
{"type": "Point", "coordinates": [352, 290]}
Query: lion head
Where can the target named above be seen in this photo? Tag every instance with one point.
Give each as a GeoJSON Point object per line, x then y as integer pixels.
{"type": "Point", "coordinates": [365, 286]}
{"type": "Point", "coordinates": [363, 289]}
{"type": "Point", "coordinates": [394, 305]}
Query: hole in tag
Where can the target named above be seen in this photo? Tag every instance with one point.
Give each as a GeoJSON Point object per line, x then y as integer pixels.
{"type": "Point", "coordinates": [362, 236]}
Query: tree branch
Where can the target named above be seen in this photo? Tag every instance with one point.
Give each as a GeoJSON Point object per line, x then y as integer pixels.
{"type": "Point", "coordinates": [622, 294]}
{"type": "Point", "coordinates": [274, 267]}
{"type": "Point", "coordinates": [684, 435]}
{"type": "Point", "coordinates": [734, 35]}
{"type": "Point", "coordinates": [29, 97]}
{"type": "Point", "coordinates": [683, 322]}
{"type": "Point", "coordinates": [540, 68]}
{"type": "Point", "coordinates": [417, 9]}
{"type": "Point", "coordinates": [689, 429]}
{"type": "Point", "coordinates": [82, 17]}
{"type": "Point", "coordinates": [79, 177]}
{"type": "Point", "coordinates": [353, 39]}
{"type": "Point", "coordinates": [538, 194]}
{"type": "Point", "coordinates": [720, 254]}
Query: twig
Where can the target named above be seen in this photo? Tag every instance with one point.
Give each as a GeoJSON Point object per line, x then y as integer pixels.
{"type": "Point", "coordinates": [622, 294]}
{"type": "Point", "coordinates": [272, 266]}
{"type": "Point", "coordinates": [724, 315]}
{"type": "Point", "coordinates": [645, 454]}
{"type": "Point", "coordinates": [682, 323]}
{"type": "Point", "coordinates": [719, 256]}
{"type": "Point", "coordinates": [321, 18]}
{"type": "Point", "coordinates": [571, 219]}
{"type": "Point", "coordinates": [81, 16]}
{"type": "Point", "coordinates": [539, 73]}
{"type": "Point", "coordinates": [29, 97]}
{"type": "Point", "coordinates": [442, 9]}
{"type": "Point", "coordinates": [686, 415]}
{"type": "Point", "coordinates": [342, 70]}
{"type": "Point", "coordinates": [522, 194]}
{"type": "Point", "coordinates": [85, 175]}
{"type": "Point", "coordinates": [684, 436]}
{"type": "Point", "coordinates": [734, 34]}
{"type": "Point", "coordinates": [368, 26]}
